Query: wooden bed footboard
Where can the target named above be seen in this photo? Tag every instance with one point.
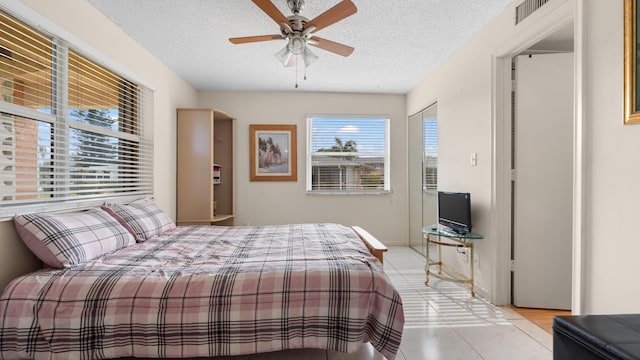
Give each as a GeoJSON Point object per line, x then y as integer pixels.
{"type": "Point", "coordinates": [374, 245]}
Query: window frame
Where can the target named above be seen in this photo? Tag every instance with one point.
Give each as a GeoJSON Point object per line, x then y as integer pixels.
{"type": "Point", "coordinates": [386, 155]}
{"type": "Point", "coordinates": [141, 96]}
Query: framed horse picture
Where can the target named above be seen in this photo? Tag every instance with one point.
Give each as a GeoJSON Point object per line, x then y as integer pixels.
{"type": "Point", "coordinates": [273, 153]}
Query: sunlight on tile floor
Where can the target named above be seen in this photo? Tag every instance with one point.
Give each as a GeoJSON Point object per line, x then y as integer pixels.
{"type": "Point", "coordinates": [443, 321]}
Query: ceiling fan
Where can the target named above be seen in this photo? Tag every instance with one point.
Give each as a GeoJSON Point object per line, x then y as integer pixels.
{"type": "Point", "coordinates": [299, 31]}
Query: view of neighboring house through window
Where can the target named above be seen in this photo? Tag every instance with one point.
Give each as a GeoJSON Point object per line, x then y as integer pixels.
{"type": "Point", "coordinates": [347, 154]}
{"type": "Point", "coordinates": [70, 128]}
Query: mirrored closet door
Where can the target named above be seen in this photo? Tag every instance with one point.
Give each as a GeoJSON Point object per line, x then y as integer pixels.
{"type": "Point", "coordinates": [423, 174]}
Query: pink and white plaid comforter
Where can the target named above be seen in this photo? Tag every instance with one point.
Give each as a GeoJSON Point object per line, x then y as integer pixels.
{"type": "Point", "coordinates": [208, 291]}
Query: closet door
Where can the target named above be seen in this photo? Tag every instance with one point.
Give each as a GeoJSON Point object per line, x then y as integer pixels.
{"type": "Point", "coordinates": [423, 156]}
{"type": "Point", "coordinates": [543, 181]}
{"type": "Point", "coordinates": [194, 166]}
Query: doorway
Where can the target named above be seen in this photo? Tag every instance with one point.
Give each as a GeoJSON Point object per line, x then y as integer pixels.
{"type": "Point", "coordinates": [423, 174]}
{"type": "Point", "coordinates": [542, 183]}
{"type": "Point", "coordinates": [553, 32]}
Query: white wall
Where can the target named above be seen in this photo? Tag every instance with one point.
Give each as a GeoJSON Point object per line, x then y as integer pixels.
{"type": "Point", "coordinates": [258, 203]}
{"type": "Point", "coordinates": [83, 21]}
{"type": "Point", "coordinates": [612, 191]}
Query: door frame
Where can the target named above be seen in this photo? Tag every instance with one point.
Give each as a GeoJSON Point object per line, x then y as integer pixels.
{"type": "Point", "coordinates": [546, 21]}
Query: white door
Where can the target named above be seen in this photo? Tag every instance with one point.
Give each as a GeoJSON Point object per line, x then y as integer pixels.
{"type": "Point", "coordinates": [543, 143]}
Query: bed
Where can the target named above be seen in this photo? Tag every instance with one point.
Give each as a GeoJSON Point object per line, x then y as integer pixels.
{"type": "Point", "coordinates": [198, 291]}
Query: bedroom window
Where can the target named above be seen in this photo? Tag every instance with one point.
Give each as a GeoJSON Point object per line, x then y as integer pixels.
{"type": "Point", "coordinates": [430, 153]}
{"type": "Point", "coordinates": [70, 128]}
{"type": "Point", "coordinates": [348, 154]}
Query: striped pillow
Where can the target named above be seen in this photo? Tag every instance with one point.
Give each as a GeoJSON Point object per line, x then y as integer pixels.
{"type": "Point", "coordinates": [69, 239]}
{"type": "Point", "coordinates": [142, 217]}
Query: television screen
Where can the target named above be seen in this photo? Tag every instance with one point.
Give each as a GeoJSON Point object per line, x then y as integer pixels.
{"type": "Point", "coordinates": [454, 211]}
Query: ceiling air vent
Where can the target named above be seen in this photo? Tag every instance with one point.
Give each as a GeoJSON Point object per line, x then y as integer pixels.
{"type": "Point", "coordinates": [527, 8]}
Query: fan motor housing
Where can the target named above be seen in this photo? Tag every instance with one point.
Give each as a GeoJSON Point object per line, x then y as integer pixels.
{"type": "Point", "coordinates": [297, 22]}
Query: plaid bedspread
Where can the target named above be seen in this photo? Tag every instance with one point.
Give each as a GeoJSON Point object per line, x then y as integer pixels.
{"type": "Point", "coordinates": [208, 291]}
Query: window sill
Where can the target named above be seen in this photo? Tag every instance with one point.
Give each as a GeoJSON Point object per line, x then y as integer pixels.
{"type": "Point", "coordinates": [7, 213]}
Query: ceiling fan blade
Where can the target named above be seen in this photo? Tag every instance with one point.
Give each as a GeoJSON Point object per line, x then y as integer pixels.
{"type": "Point", "coordinates": [342, 10]}
{"type": "Point", "coordinates": [332, 46]}
{"type": "Point", "coordinates": [250, 39]}
{"type": "Point", "coordinates": [271, 10]}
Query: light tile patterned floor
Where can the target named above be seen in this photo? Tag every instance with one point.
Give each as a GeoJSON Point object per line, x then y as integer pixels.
{"type": "Point", "coordinates": [443, 322]}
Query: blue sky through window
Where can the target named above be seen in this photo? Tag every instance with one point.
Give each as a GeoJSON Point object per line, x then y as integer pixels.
{"type": "Point", "coordinates": [368, 133]}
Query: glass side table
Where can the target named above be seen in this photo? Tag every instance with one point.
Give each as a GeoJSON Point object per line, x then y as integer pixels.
{"type": "Point", "coordinates": [440, 236]}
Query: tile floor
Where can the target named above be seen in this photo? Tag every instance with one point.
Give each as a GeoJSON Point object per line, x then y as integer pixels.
{"type": "Point", "coordinates": [442, 321]}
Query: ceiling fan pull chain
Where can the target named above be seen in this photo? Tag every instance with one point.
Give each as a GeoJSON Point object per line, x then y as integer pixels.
{"type": "Point", "coordinates": [296, 71]}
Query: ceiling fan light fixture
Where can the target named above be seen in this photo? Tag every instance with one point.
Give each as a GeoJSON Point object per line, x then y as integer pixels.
{"type": "Point", "coordinates": [284, 55]}
{"type": "Point", "coordinates": [297, 45]}
{"type": "Point", "coordinates": [308, 57]}
{"type": "Point", "coordinates": [300, 31]}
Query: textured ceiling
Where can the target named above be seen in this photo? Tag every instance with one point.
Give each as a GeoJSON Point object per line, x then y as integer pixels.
{"type": "Point", "coordinates": [397, 43]}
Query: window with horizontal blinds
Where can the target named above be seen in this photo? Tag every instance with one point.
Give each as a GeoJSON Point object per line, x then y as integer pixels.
{"type": "Point", "coordinates": [347, 154]}
{"type": "Point", "coordinates": [70, 129]}
{"type": "Point", "coordinates": [26, 65]}
{"type": "Point", "coordinates": [430, 153]}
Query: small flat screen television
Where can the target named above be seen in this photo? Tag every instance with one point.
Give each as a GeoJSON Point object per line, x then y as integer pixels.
{"type": "Point", "coordinates": [454, 211]}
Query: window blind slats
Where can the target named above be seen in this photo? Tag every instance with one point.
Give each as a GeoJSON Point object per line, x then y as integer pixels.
{"type": "Point", "coordinates": [348, 155]}
{"type": "Point", "coordinates": [26, 74]}
{"type": "Point", "coordinates": [95, 150]}
{"type": "Point", "coordinates": [430, 153]}
{"type": "Point", "coordinates": [109, 96]}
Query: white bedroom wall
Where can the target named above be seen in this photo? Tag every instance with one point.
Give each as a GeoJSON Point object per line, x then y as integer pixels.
{"type": "Point", "coordinates": [259, 203]}
{"type": "Point", "coordinates": [83, 21]}
{"type": "Point", "coordinates": [612, 192]}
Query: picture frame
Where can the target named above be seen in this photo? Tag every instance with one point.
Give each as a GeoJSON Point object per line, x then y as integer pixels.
{"type": "Point", "coordinates": [631, 71]}
{"type": "Point", "coordinates": [273, 153]}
